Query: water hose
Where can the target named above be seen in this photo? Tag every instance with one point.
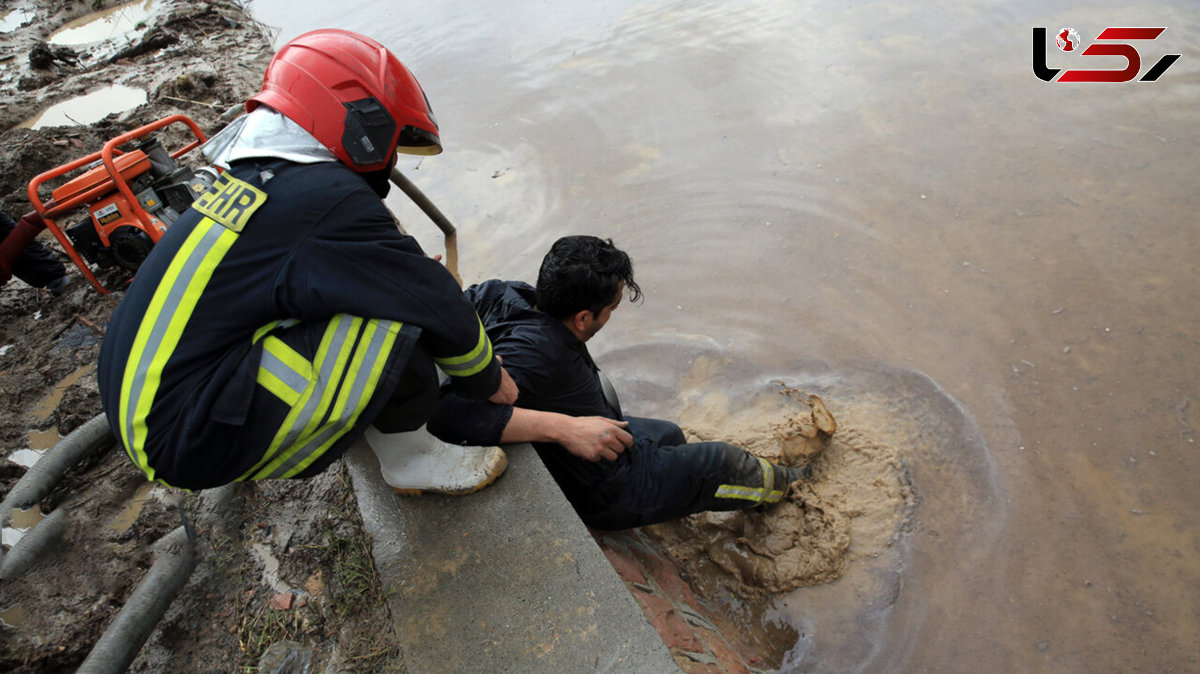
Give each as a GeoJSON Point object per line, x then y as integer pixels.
{"type": "Point", "coordinates": [43, 475]}
{"type": "Point", "coordinates": [25, 553]}
{"type": "Point", "coordinates": [435, 214]}
{"type": "Point", "coordinates": [174, 562]}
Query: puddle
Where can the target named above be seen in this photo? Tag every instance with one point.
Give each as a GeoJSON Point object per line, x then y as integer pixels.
{"type": "Point", "coordinates": [43, 441]}
{"type": "Point", "coordinates": [12, 616]}
{"type": "Point", "coordinates": [47, 405]}
{"type": "Point", "coordinates": [14, 20]}
{"type": "Point", "coordinates": [89, 108]}
{"type": "Point", "coordinates": [40, 441]}
{"type": "Point", "coordinates": [121, 21]}
{"type": "Point", "coordinates": [22, 522]}
{"type": "Point", "coordinates": [133, 509]}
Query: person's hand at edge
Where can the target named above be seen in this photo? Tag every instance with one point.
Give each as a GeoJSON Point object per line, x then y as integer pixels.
{"type": "Point", "coordinates": [508, 392]}
{"type": "Point", "coordinates": [594, 438]}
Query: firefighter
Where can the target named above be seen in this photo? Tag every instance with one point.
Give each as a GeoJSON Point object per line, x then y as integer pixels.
{"type": "Point", "coordinates": [617, 471]}
{"type": "Point", "coordinates": [284, 313]}
{"type": "Point", "coordinates": [35, 265]}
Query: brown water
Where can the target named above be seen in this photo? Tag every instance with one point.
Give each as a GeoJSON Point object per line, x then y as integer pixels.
{"type": "Point", "coordinates": [881, 202]}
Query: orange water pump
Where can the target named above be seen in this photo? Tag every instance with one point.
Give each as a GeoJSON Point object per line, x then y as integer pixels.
{"type": "Point", "coordinates": [125, 199]}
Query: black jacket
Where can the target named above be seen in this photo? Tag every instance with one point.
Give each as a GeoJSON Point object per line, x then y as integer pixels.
{"type": "Point", "coordinates": [554, 372]}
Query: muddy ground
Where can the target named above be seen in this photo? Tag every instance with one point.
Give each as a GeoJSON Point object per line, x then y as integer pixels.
{"type": "Point", "coordinates": [279, 562]}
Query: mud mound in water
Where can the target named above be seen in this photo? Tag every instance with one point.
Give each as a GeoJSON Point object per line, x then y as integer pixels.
{"type": "Point", "coordinates": [859, 492]}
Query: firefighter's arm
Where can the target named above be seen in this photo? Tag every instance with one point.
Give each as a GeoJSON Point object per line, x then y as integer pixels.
{"type": "Point", "coordinates": [361, 265]}
{"type": "Point", "coordinates": [508, 391]}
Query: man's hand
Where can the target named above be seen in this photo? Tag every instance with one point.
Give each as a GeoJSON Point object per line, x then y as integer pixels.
{"type": "Point", "coordinates": [594, 438]}
{"type": "Point", "coordinates": [508, 391]}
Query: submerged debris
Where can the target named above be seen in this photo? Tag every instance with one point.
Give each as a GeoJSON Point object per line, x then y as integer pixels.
{"type": "Point", "coordinates": [806, 434]}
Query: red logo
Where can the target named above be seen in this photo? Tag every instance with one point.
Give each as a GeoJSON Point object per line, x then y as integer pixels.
{"type": "Point", "coordinates": [1067, 39]}
{"type": "Point", "coordinates": [1110, 42]}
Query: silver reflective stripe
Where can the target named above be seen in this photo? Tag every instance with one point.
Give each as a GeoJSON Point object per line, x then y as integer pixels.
{"type": "Point", "coordinates": [469, 367]}
{"type": "Point", "coordinates": [472, 362]}
{"type": "Point", "coordinates": [325, 376]}
{"type": "Point", "coordinates": [360, 369]}
{"type": "Point", "coordinates": [289, 377]}
{"type": "Point", "coordinates": [179, 286]}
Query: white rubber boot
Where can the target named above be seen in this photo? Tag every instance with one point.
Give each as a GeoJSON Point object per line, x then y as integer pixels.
{"type": "Point", "coordinates": [414, 462]}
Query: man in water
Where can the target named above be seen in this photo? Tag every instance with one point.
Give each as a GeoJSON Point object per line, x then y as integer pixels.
{"type": "Point", "coordinates": [617, 471]}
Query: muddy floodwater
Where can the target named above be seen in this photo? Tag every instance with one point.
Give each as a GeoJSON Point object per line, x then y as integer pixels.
{"type": "Point", "coordinates": [879, 202]}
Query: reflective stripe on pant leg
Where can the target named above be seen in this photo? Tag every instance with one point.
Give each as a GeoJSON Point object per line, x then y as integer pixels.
{"type": "Point", "coordinates": [764, 494]}
{"type": "Point", "coordinates": [356, 379]}
{"type": "Point", "coordinates": [328, 366]}
{"type": "Point", "coordinates": [283, 371]}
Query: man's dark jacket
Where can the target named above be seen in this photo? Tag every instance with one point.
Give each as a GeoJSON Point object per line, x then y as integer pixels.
{"type": "Point", "coordinates": [555, 373]}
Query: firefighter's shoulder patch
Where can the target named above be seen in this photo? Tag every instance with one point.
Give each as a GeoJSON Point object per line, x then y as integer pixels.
{"type": "Point", "coordinates": [230, 202]}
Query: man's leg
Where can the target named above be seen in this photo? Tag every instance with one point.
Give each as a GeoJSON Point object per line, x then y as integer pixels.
{"type": "Point", "coordinates": [411, 459]}
{"type": "Point", "coordinates": [670, 479]}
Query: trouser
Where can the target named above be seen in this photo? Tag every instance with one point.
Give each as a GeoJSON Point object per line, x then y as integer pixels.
{"type": "Point", "coordinates": [415, 397]}
{"type": "Point", "coordinates": [667, 478]}
{"type": "Point", "coordinates": [407, 409]}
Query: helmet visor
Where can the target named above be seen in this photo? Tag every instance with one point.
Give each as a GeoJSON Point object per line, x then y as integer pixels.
{"type": "Point", "coordinates": [418, 141]}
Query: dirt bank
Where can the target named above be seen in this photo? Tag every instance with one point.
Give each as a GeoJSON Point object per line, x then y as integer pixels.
{"type": "Point", "coordinates": [281, 562]}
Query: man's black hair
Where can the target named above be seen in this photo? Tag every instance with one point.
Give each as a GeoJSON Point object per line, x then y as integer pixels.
{"type": "Point", "coordinates": [583, 272]}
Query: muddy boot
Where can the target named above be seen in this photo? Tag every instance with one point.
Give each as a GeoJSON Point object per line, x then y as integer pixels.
{"type": "Point", "coordinates": [796, 473]}
{"type": "Point", "coordinates": [414, 462]}
{"type": "Point", "coordinates": [781, 477]}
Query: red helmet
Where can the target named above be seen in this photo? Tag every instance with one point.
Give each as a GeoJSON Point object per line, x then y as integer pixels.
{"type": "Point", "coordinates": [351, 94]}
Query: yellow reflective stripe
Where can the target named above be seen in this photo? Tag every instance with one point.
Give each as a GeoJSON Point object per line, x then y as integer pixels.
{"type": "Point", "coordinates": [161, 328]}
{"type": "Point", "coordinates": [356, 390]}
{"type": "Point", "coordinates": [764, 494]}
{"type": "Point", "coordinates": [374, 349]}
{"type": "Point", "coordinates": [471, 362]}
{"type": "Point", "coordinates": [270, 381]}
{"type": "Point", "coordinates": [283, 372]}
{"type": "Point", "coordinates": [308, 411]}
{"type": "Point", "coordinates": [258, 334]}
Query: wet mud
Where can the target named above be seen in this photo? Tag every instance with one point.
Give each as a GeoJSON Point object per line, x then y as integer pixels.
{"type": "Point", "coordinates": [835, 560]}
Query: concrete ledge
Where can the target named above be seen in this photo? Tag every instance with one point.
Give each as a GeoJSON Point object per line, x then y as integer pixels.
{"type": "Point", "coordinates": [504, 580]}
